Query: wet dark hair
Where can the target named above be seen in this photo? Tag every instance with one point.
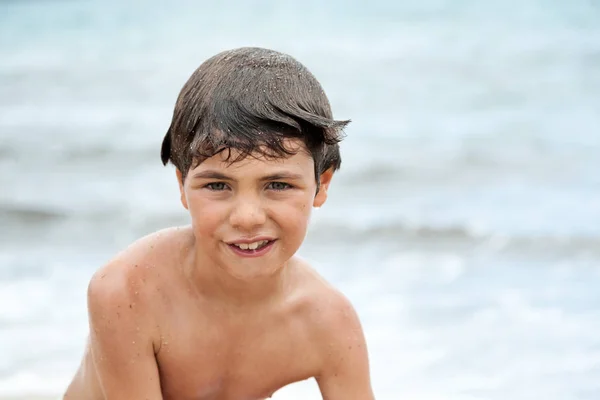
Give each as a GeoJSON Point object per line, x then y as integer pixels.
{"type": "Point", "coordinates": [250, 100]}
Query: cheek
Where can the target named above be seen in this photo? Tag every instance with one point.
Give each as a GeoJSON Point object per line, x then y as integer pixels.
{"type": "Point", "coordinates": [206, 215]}
{"type": "Point", "coordinates": [295, 214]}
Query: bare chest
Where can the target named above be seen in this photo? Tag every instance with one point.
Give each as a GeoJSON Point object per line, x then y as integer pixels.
{"type": "Point", "coordinates": [214, 364]}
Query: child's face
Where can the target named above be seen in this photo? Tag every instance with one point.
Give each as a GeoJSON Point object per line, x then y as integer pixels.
{"type": "Point", "coordinates": [234, 206]}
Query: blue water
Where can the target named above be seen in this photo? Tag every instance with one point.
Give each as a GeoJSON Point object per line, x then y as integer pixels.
{"type": "Point", "coordinates": [464, 224]}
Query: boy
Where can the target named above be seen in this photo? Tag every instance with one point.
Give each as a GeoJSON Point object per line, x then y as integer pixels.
{"type": "Point", "coordinates": [223, 309]}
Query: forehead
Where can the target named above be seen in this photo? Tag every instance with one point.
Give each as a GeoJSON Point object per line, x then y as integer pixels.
{"type": "Point", "coordinates": [300, 161]}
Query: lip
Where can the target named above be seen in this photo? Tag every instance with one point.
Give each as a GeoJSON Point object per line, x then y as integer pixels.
{"type": "Point", "coordinates": [255, 253]}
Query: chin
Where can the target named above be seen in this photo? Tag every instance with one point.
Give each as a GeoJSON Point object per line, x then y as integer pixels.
{"type": "Point", "coordinates": [249, 270]}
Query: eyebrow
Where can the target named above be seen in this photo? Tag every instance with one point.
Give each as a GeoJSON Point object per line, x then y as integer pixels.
{"type": "Point", "coordinates": [212, 174]}
{"type": "Point", "coordinates": [282, 176]}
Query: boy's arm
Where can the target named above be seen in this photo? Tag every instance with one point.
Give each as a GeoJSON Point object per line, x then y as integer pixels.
{"type": "Point", "coordinates": [345, 373]}
{"type": "Point", "coordinates": [121, 337]}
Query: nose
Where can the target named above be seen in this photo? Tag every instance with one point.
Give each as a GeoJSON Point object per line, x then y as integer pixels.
{"type": "Point", "coordinates": [247, 214]}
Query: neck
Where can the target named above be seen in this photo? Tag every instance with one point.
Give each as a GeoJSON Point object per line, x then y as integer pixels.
{"type": "Point", "coordinates": [214, 282]}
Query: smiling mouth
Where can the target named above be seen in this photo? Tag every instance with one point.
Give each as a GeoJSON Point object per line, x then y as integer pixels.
{"type": "Point", "coordinates": [255, 248]}
{"type": "Point", "coordinates": [252, 246]}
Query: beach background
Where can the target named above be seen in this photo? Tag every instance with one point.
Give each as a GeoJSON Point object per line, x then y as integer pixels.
{"type": "Point", "coordinates": [464, 224]}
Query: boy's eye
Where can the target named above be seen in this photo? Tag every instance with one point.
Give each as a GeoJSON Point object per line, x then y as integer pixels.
{"type": "Point", "coordinates": [279, 186]}
{"type": "Point", "coordinates": [216, 186]}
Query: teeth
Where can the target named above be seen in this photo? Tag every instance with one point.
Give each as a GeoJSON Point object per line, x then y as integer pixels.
{"type": "Point", "coordinates": [251, 246]}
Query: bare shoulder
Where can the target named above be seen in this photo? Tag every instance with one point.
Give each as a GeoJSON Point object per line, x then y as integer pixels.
{"type": "Point", "coordinates": [327, 308]}
{"type": "Point", "coordinates": [338, 338]}
{"type": "Point", "coordinates": [124, 290]}
{"type": "Point", "coordinates": [125, 334]}
{"type": "Point", "coordinates": [145, 258]}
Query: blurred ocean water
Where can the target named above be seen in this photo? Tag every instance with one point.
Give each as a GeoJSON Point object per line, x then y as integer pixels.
{"type": "Point", "coordinates": [464, 224]}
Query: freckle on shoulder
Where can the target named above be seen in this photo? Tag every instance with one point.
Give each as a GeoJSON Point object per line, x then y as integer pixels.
{"type": "Point", "coordinates": [133, 270]}
{"type": "Point", "coordinates": [161, 243]}
{"type": "Point", "coordinates": [157, 247]}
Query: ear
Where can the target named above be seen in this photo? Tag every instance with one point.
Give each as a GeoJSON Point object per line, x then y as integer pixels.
{"type": "Point", "coordinates": [181, 188]}
{"type": "Point", "coordinates": [325, 180]}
